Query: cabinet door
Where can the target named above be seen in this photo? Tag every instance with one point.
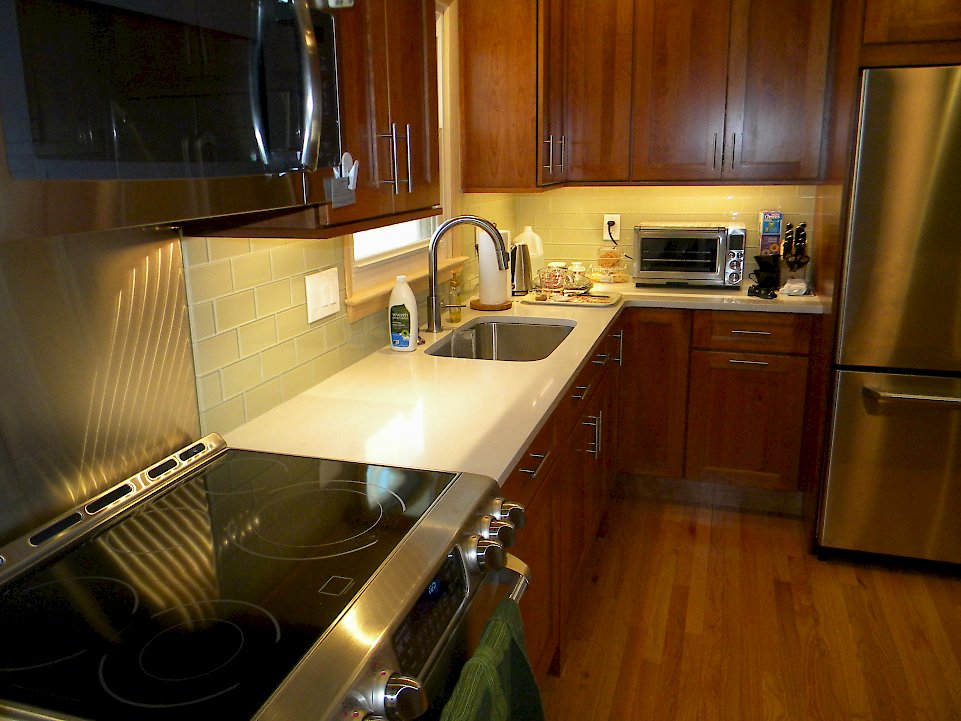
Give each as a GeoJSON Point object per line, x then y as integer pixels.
{"type": "Point", "coordinates": [412, 89]}
{"type": "Point", "coordinates": [653, 391]}
{"type": "Point", "coordinates": [777, 76]}
{"type": "Point", "coordinates": [745, 418]}
{"type": "Point", "coordinates": [680, 79]}
{"type": "Point", "coordinates": [498, 79]}
{"type": "Point", "coordinates": [552, 101]}
{"type": "Point", "coordinates": [599, 51]}
{"type": "Point", "coordinates": [535, 546]}
{"type": "Point", "coordinates": [911, 21]}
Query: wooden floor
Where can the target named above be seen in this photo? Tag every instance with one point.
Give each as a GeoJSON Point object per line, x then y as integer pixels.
{"type": "Point", "coordinates": [704, 613]}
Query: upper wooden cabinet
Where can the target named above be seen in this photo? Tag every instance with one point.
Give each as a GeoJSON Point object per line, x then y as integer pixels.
{"type": "Point", "coordinates": [598, 88]}
{"type": "Point", "coordinates": [719, 94]}
{"type": "Point", "coordinates": [512, 88]}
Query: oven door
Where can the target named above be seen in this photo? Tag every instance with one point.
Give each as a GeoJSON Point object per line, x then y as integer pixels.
{"type": "Point", "coordinates": [680, 256]}
{"type": "Point", "coordinates": [123, 113]}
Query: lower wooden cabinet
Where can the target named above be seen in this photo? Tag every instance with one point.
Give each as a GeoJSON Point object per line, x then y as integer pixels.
{"type": "Point", "coordinates": [745, 418]}
{"type": "Point", "coordinates": [714, 395]}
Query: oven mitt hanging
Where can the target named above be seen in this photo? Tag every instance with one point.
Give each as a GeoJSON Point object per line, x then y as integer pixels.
{"type": "Point", "coordinates": [497, 682]}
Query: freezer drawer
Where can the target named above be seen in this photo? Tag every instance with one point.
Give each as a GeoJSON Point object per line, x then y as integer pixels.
{"type": "Point", "coordinates": [894, 469]}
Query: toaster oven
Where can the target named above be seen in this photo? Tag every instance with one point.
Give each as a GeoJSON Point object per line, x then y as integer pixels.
{"type": "Point", "coordinates": [689, 255]}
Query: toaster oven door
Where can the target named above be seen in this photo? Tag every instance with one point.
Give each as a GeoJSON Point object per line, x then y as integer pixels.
{"type": "Point", "coordinates": [679, 256]}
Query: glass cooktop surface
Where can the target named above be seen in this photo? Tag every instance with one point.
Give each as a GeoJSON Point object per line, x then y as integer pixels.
{"type": "Point", "coordinates": [199, 601]}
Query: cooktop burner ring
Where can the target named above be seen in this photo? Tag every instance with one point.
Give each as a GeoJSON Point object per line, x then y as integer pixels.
{"type": "Point", "coordinates": [258, 531]}
{"type": "Point", "coordinates": [125, 677]}
{"type": "Point", "coordinates": [116, 615]}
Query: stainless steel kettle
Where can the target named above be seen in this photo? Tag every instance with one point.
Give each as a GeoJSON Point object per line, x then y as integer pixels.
{"type": "Point", "coordinates": [521, 277]}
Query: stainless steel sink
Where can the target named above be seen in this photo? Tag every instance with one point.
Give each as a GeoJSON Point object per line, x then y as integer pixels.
{"type": "Point", "coordinates": [516, 339]}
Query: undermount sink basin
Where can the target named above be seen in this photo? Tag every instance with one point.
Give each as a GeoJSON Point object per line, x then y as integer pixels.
{"type": "Point", "coordinates": [517, 339]}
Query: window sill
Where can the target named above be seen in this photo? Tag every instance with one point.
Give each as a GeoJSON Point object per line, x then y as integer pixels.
{"type": "Point", "coordinates": [374, 299]}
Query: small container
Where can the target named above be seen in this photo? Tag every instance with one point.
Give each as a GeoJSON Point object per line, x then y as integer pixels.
{"type": "Point", "coordinates": [453, 300]}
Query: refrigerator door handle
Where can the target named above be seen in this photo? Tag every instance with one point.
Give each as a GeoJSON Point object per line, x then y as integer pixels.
{"type": "Point", "coordinates": [877, 395]}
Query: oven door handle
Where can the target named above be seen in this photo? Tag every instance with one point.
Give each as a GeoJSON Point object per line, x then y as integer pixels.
{"type": "Point", "coordinates": [516, 573]}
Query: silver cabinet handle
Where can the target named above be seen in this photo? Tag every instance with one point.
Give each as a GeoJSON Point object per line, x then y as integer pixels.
{"type": "Point", "coordinates": [313, 112]}
{"type": "Point", "coordinates": [560, 164]}
{"type": "Point", "coordinates": [550, 154]}
{"type": "Point", "coordinates": [620, 347]}
{"type": "Point", "coordinates": [410, 163]}
{"type": "Point", "coordinates": [581, 392]}
{"type": "Point", "coordinates": [878, 395]}
{"type": "Point", "coordinates": [595, 423]}
{"type": "Point", "coordinates": [600, 359]}
{"type": "Point", "coordinates": [751, 332]}
{"type": "Point", "coordinates": [532, 472]}
{"type": "Point", "coordinates": [747, 363]}
{"type": "Point", "coordinates": [395, 179]}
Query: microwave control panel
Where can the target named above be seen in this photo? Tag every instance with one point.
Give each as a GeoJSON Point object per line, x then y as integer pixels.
{"type": "Point", "coordinates": [734, 270]}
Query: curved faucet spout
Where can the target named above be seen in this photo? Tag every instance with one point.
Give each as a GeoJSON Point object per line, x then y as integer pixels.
{"type": "Point", "coordinates": [434, 305]}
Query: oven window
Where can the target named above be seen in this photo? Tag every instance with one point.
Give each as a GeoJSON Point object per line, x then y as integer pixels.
{"type": "Point", "coordinates": [685, 254]}
{"type": "Point", "coordinates": [138, 89]}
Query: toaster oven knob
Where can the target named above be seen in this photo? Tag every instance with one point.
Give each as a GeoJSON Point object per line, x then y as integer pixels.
{"type": "Point", "coordinates": [496, 530]}
{"type": "Point", "coordinates": [508, 511]}
{"type": "Point", "coordinates": [485, 555]}
{"type": "Point", "coordinates": [404, 698]}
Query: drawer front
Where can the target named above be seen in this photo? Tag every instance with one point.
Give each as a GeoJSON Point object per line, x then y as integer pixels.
{"type": "Point", "coordinates": [533, 467]}
{"type": "Point", "coordinates": [752, 332]}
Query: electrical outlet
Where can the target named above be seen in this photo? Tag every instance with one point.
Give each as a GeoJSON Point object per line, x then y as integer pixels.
{"type": "Point", "coordinates": [615, 229]}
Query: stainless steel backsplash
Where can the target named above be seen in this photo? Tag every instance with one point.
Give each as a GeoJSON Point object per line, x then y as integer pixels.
{"type": "Point", "coordinates": [96, 371]}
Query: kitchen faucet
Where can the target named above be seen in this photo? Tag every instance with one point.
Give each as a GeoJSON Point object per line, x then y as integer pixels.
{"type": "Point", "coordinates": [434, 306]}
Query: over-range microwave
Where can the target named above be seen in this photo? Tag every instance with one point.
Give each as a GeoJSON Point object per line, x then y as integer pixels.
{"type": "Point", "coordinates": [689, 255]}
{"type": "Point", "coordinates": [121, 113]}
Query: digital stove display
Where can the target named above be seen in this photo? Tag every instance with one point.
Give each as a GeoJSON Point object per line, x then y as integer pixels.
{"type": "Point", "coordinates": [200, 601]}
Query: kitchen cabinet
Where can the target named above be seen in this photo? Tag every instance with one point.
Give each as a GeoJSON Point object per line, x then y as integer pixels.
{"type": "Point", "coordinates": [512, 75]}
{"type": "Point", "coordinates": [598, 89]}
{"type": "Point", "coordinates": [653, 391]}
{"type": "Point", "coordinates": [747, 397]}
{"type": "Point", "coordinates": [533, 484]}
{"type": "Point", "coordinates": [387, 66]}
{"type": "Point", "coordinates": [720, 93]}
{"type": "Point", "coordinates": [911, 21]}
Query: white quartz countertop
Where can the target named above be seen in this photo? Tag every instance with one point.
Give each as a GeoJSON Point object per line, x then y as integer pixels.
{"type": "Point", "coordinates": [450, 414]}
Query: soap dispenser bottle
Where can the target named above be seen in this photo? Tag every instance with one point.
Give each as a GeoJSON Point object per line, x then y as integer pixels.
{"type": "Point", "coordinates": [402, 316]}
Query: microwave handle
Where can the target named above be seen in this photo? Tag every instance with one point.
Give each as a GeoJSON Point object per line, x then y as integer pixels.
{"type": "Point", "coordinates": [256, 85]}
{"type": "Point", "coordinates": [310, 65]}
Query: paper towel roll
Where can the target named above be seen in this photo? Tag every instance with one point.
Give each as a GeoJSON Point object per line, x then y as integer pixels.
{"type": "Point", "coordinates": [495, 284]}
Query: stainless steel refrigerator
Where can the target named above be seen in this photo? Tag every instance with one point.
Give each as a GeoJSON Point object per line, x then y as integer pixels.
{"type": "Point", "coordinates": [894, 470]}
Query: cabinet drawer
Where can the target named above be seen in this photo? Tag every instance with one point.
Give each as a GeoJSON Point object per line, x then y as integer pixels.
{"type": "Point", "coordinates": [752, 332]}
{"type": "Point", "coordinates": [533, 467]}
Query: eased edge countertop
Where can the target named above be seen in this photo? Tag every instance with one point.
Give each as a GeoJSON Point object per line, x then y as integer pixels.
{"type": "Point", "coordinates": [461, 415]}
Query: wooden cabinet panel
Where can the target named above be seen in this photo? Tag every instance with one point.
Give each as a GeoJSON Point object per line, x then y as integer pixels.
{"type": "Point", "coordinates": [753, 332]}
{"type": "Point", "coordinates": [745, 418]}
{"type": "Point", "coordinates": [776, 89]}
{"type": "Point", "coordinates": [653, 391]}
{"type": "Point", "coordinates": [911, 21]}
{"type": "Point", "coordinates": [680, 79]}
{"type": "Point", "coordinates": [498, 68]}
{"type": "Point", "coordinates": [599, 49]}
{"type": "Point", "coordinates": [535, 546]}
{"type": "Point", "coordinates": [552, 93]}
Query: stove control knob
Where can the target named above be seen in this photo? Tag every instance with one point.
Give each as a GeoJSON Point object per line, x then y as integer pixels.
{"type": "Point", "coordinates": [485, 555]}
{"type": "Point", "coordinates": [404, 698]}
{"type": "Point", "coordinates": [508, 511]}
{"type": "Point", "coordinates": [496, 530]}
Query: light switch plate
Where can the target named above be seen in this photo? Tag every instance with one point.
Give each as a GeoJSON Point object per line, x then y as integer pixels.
{"type": "Point", "coordinates": [323, 294]}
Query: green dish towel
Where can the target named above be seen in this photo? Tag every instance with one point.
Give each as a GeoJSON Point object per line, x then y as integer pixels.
{"type": "Point", "coordinates": [497, 683]}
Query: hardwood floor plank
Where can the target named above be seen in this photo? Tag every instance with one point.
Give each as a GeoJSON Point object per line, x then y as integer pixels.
{"type": "Point", "coordinates": [693, 613]}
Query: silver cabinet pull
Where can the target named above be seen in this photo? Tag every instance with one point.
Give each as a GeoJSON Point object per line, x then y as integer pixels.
{"type": "Point", "coordinates": [581, 392]}
{"type": "Point", "coordinates": [600, 359]}
{"type": "Point", "coordinates": [751, 332]}
{"type": "Point", "coordinates": [878, 395]}
{"type": "Point", "coordinates": [410, 163]}
{"type": "Point", "coordinates": [595, 423]}
{"type": "Point", "coordinates": [394, 171]}
{"type": "Point", "coordinates": [747, 363]}
{"type": "Point", "coordinates": [620, 347]}
{"type": "Point", "coordinates": [550, 154]}
{"type": "Point", "coordinates": [560, 164]}
{"type": "Point", "coordinates": [310, 82]}
{"type": "Point", "coordinates": [532, 472]}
